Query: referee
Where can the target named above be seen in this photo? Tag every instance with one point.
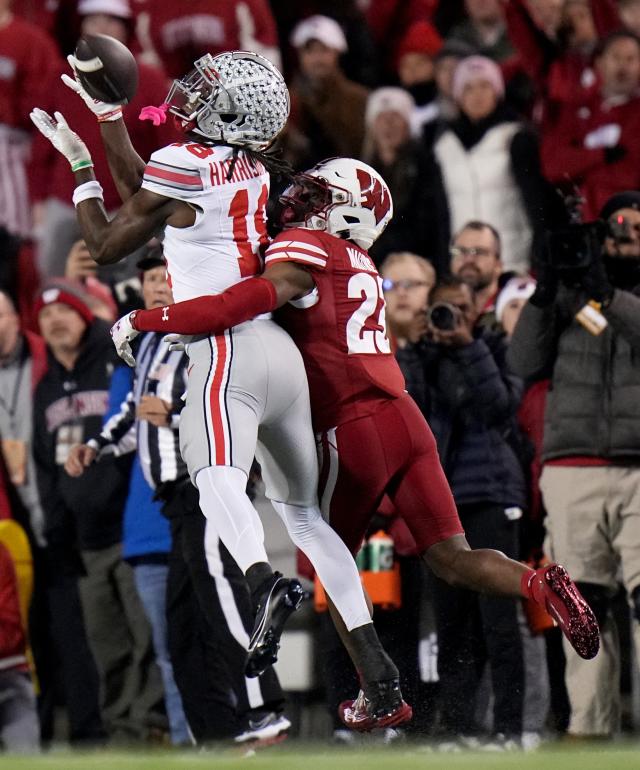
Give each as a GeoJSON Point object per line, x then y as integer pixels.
{"type": "Point", "coordinates": [209, 611]}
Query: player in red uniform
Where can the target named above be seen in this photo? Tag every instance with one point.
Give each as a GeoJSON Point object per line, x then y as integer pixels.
{"type": "Point", "coordinates": [374, 439]}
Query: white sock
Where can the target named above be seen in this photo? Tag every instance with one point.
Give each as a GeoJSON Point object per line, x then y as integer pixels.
{"type": "Point", "coordinates": [224, 502]}
{"type": "Point", "coordinates": [330, 558]}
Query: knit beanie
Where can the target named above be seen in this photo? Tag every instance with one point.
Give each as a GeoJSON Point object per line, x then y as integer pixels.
{"type": "Point", "coordinates": [389, 99]}
{"type": "Point", "coordinates": [630, 199]}
{"type": "Point", "coordinates": [420, 37]}
{"type": "Point", "coordinates": [477, 68]}
{"type": "Point", "coordinates": [66, 296]}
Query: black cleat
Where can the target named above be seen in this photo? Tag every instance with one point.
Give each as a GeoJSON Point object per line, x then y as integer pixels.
{"type": "Point", "coordinates": [280, 598]}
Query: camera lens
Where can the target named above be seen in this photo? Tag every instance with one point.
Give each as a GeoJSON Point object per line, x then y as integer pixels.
{"type": "Point", "coordinates": [443, 316]}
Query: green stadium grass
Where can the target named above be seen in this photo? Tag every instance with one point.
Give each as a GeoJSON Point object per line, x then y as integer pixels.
{"type": "Point", "coordinates": [295, 757]}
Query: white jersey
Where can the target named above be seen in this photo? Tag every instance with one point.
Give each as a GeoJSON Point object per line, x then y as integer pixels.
{"type": "Point", "coordinates": [226, 242]}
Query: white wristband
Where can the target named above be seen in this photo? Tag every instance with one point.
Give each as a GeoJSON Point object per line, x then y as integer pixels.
{"type": "Point", "coordinates": [83, 192]}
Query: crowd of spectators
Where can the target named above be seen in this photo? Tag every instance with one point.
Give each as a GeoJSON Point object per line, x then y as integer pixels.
{"type": "Point", "coordinates": [494, 123]}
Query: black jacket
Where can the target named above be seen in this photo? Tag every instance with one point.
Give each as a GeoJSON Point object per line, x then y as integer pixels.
{"type": "Point", "coordinates": [472, 402]}
{"type": "Point", "coordinates": [68, 409]}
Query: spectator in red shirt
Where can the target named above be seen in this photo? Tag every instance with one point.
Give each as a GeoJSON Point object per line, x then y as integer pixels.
{"type": "Point", "coordinates": [52, 184]}
{"type": "Point", "coordinates": [596, 145]}
{"type": "Point", "coordinates": [27, 56]}
{"type": "Point", "coordinates": [174, 35]}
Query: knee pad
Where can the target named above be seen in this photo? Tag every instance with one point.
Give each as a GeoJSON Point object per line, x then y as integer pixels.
{"type": "Point", "coordinates": [598, 598]}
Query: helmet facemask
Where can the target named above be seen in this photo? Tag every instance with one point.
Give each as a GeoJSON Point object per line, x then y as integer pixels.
{"type": "Point", "coordinates": [237, 98]}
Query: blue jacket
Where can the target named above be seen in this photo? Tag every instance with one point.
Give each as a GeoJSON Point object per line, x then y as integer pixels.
{"type": "Point", "coordinates": [145, 529]}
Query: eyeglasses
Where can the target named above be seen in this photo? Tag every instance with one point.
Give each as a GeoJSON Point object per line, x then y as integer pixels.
{"type": "Point", "coordinates": [476, 251]}
{"type": "Point", "coordinates": [406, 284]}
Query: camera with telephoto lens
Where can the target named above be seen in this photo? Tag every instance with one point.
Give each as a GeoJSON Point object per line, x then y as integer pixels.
{"type": "Point", "coordinates": [572, 249]}
{"type": "Point", "coordinates": [443, 316]}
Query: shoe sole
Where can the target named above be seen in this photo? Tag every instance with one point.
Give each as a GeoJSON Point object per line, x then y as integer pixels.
{"type": "Point", "coordinates": [582, 630]}
{"type": "Point", "coordinates": [263, 650]}
{"type": "Point", "coordinates": [268, 733]}
{"type": "Point", "coordinates": [402, 714]}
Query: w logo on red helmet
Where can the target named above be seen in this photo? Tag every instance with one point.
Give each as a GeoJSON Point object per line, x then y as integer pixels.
{"type": "Point", "coordinates": [375, 195]}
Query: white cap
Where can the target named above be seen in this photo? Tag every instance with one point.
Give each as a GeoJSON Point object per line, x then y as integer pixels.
{"type": "Point", "coordinates": [320, 28]}
{"type": "Point", "coordinates": [389, 99]}
{"type": "Point", "coordinates": [118, 8]}
{"type": "Point", "coordinates": [516, 288]}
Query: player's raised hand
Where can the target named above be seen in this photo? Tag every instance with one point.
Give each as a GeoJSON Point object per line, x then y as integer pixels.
{"type": "Point", "coordinates": [63, 138]}
{"type": "Point", "coordinates": [122, 332]}
{"type": "Point", "coordinates": [103, 111]}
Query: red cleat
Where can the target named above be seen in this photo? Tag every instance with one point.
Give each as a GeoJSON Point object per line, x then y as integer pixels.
{"type": "Point", "coordinates": [385, 708]}
{"type": "Point", "coordinates": [567, 607]}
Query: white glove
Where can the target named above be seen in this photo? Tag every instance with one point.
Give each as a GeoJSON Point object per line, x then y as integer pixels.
{"type": "Point", "coordinates": [175, 342]}
{"type": "Point", "coordinates": [62, 138]}
{"type": "Point", "coordinates": [103, 111]}
{"type": "Point", "coordinates": [122, 332]}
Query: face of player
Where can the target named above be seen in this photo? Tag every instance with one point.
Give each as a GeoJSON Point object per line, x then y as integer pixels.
{"type": "Point", "coordinates": [629, 246]}
{"type": "Point", "coordinates": [414, 68]}
{"type": "Point", "coordinates": [619, 68]}
{"type": "Point", "coordinates": [155, 288]}
{"type": "Point", "coordinates": [474, 258]}
{"type": "Point", "coordinates": [511, 313]}
{"type": "Point", "coordinates": [103, 24]}
{"type": "Point", "coordinates": [9, 326]}
{"type": "Point", "coordinates": [61, 327]}
{"type": "Point", "coordinates": [317, 60]}
{"type": "Point", "coordinates": [484, 11]}
{"type": "Point", "coordinates": [478, 100]}
{"type": "Point", "coordinates": [390, 129]}
{"type": "Point", "coordinates": [406, 291]}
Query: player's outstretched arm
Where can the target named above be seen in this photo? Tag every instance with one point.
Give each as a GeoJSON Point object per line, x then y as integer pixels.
{"type": "Point", "coordinates": [241, 302]}
{"type": "Point", "coordinates": [126, 166]}
{"type": "Point", "coordinates": [141, 217]}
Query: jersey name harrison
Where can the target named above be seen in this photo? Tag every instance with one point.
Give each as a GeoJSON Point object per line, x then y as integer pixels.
{"type": "Point", "coordinates": [242, 170]}
{"type": "Point", "coordinates": [360, 261]}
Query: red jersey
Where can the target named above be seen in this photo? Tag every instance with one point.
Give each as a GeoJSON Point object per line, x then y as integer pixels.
{"type": "Point", "coordinates": [339, 328]}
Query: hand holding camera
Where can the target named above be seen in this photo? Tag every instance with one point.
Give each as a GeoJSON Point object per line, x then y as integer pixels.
{"type": "Point", "coordinates": [447, 325]}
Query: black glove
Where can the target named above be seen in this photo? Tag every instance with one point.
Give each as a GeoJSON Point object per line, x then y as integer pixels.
{"type": "Point", "coordinates": [547, 283]}
{"type": "Point", "coordinates": [614, 154]}
{"type": "Point", "coordinates": [596, 284]}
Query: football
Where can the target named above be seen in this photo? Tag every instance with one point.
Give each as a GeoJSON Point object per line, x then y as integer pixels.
{"type": "Point", "coordinates": [106, 68]}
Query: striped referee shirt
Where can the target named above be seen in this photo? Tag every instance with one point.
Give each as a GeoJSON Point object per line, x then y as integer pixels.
{"type": "Point", "coordinates": [162, 373]}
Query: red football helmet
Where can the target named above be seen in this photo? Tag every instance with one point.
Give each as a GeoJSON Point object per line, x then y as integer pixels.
{"type": "Point", "coordinates": [341, 196]}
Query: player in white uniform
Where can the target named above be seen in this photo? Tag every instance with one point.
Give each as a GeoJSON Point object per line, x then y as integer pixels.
{"type": "Point", "coordinates": [247, 385]}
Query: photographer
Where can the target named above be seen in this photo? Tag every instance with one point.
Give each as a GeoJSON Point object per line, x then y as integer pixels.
{"type": "Point", "coordinates": [591, 477]}
{"type": "Point", "coordinates": [473, 401]}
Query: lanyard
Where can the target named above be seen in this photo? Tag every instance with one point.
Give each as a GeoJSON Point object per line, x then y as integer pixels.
{"type": "Point", "coordinates": [11, 409]}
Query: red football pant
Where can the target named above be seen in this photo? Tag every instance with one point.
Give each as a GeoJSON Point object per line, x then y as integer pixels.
{"type": "Point", "coordinates": [389, 452]}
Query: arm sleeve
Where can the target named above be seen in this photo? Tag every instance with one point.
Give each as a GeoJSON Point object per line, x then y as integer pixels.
{"type": "Point", "coordinates": [536, 50]}
{"type": "Point", "coordinates": [211, 314]}
{"type": "Point", "coordinates": [534, 343]}
{"type": "Point", "coordinates": [118, 436]}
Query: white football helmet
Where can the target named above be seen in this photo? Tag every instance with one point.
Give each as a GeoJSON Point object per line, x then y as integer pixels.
{"type": "Point", "coordinates": [237, 97]}
{"type": "Point", "coordinates": [341, 196]}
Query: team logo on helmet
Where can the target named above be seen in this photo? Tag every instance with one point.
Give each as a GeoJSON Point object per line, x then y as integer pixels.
{"type": "Point", "coordinates": [374, 195]}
